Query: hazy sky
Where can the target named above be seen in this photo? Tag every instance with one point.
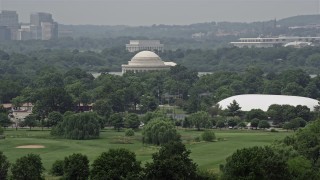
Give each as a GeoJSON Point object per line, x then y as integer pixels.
{"type": "Point", "coordinates": [148, 12]}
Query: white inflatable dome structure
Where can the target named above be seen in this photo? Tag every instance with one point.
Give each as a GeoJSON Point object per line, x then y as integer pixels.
{"type": "Point", "coordinates": [248, 102]}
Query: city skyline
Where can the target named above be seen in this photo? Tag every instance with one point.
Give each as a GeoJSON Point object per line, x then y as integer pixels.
{"type": "Point", "coordinates": [149, 12]}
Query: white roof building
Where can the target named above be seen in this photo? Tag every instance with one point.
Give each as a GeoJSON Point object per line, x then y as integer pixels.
{"type": "Point", "coordinates": [146, 61]}
{"type": "Point", "coordinates": [139, 45]}
{"type": "Point", "coordinates": [271, 41]}
{"type": "Point", "coordinates": [248, 102]}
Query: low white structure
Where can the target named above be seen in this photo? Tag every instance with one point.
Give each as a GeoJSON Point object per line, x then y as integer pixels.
{"type": "Point", "coordinates": [248, 102]}
{"type": "Point", "coordinates": [139, 45]}
{"type": "Point", "coordinates": [146, 61]}
{"type": "Point", "coordinates": [297, 44]}
{"type": "Point", "coordinates": [272, 41]}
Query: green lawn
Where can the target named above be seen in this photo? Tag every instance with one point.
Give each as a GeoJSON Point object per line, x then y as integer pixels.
{"type": "Point", "coordinates": [207, 155]}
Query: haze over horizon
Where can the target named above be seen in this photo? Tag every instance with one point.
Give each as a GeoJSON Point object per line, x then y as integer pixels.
{"type": "Point", "coordinates": [149, 12]}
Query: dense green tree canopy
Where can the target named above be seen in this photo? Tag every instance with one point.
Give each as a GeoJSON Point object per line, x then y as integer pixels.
{"type": "Point", "coordinates": [171, 162]}
{"type": "Point", "coordinates": [78, 126]}
{"type": "Point", "coordinates": [76, 166]}
{"type": "Point", "coordinates": [159, 131]}
{"type": "Point", "coordinates": [116, 164]}
{"type": "Point", "coordinates": [28, 167]}
{"type": "Point", "coordinates": [255, 163]}
{"type": "Point", "coordinates": [4, 166]}
{"type": "Point", "coordinates": [200, 120]}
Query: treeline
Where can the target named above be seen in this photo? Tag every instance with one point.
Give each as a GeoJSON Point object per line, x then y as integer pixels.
{"type": "Point", "coordinates": [239, 59]}
{"type": "Point", "coordinates": [145, 91]}
{"type": "Point", "coordinates": [110, 59]}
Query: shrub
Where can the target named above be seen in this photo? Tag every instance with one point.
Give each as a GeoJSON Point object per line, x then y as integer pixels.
{"type": "Point", "coordinates": [76, 166]}
{"type": "Point", "coordinates": [57, 168]}
{"type": "Point", "coordinates": [208, 136]}
{"type": "Point", "coordinates": [274, 130]}
{"type": "Point", "coordinates": [197, 139]}
{"type": "Point", "coordinates": [4, 166]}
{"type": "Point", "coordinates": [129, 132]}
{"type": "Point", "coordinates": [28, 167]}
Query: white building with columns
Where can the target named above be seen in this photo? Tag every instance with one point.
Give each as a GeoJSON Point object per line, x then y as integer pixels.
{"type": "Point", "coordinates": [146, 61]}
{"type": "Point", "coordinates": [139, 45]}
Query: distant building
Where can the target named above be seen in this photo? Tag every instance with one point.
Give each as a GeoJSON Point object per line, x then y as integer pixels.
{"type": "Point", "coordinates": [139, 45]}
{"type": "Point", "coordinates": [18, 114]}
{"type": "Point", "coordinates": [10, 19]}
{"type": "Point", "coordinates": [39, 17]}
{"type": "Point", "coordinates": [146, 61]}
{"type": "Point", "coordinates": [272, 41]}
{"type": "Point", "coordinates": [24, 33]}
{"type": "Point", "coordinates": [49, 30]}
{"type": "Point", "coordinates": [42, 26]}
{"type": "Point", "coordinates": [5, 33]}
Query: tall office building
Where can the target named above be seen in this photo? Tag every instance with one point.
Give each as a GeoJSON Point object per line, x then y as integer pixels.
{"type": "Point", "coordinates": [10, 19]}
{"type": "Point", "coordinates": [42, 26]}
{"type": "Point", "coordinates": [39, 17]}
{"type": "Point", "coordinates": [5, 33]}
{"type": "Point", "coordinates": [49, 30]}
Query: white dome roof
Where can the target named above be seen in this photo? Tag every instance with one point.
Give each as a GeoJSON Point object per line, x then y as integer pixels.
{"type": "Point", "coordinates": [263, 101]}
{"type": "Point", "coordinates": [146, 58]}
{"type": "Point", "coordinates": [146, 54]}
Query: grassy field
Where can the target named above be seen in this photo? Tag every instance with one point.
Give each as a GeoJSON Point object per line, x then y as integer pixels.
{"type": "Point", "coordinates": [208, 155]}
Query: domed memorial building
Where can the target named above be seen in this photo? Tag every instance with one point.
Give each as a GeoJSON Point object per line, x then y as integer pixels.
{"type": "Point", "coordinates": [146, 61]}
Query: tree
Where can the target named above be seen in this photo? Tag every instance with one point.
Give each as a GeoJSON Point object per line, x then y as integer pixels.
{"type": "Point", "coordinates": [234, 109]}
{"type": "Point", "coordinates": [159, 131]}
{"type": "Point", "coordinates": [255, 163]}
{"type": "Point", "coordinates": [295, 123]}
{"type": "Point", "coordinates": [256, 113]}
{"type": "Point", "coordinates": [116, 164]}
{"type": "Point", "coordinates": [103, 108]}
{"type": "Point", "coordinates": [232, 122]}
{"type": "Point", "coordinates": [255, 123]}
{"type": "Point", "coordinates": [78, 126]}
{"type": "Point", "coordinates": [263, 124]}
{"type": "Point", "coordinates": [30, 121]}
{"type": "Point", "coordinates": [4, 166]}
{"type": "Point", "coordinates": [57, 168]}
{"type": "Point", "coordinates": [117, 121]}
{"type": "Point", "coordinates": [221, 124]}
{"type": "Point", "coordinates": [4, 120]}
{"type": "Point", "coordinates": [242, 125]}
{"type": "Point", "coordinates": [131, 120]}
{"type": "Point", "coordinates": [171, 162]}
{"type": "Point", "coordinates": [76, 166]}
{"type": "Point", "coordinates": [200, 119]}
{"type": "Point", "coordinates": [54, 118]}
{"type": "Point", "coordinates": [148, 103]}
{"type": "Point", "coordinates": [301, 168]}
{"type": "Point", "coordinates": [28, 167]}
